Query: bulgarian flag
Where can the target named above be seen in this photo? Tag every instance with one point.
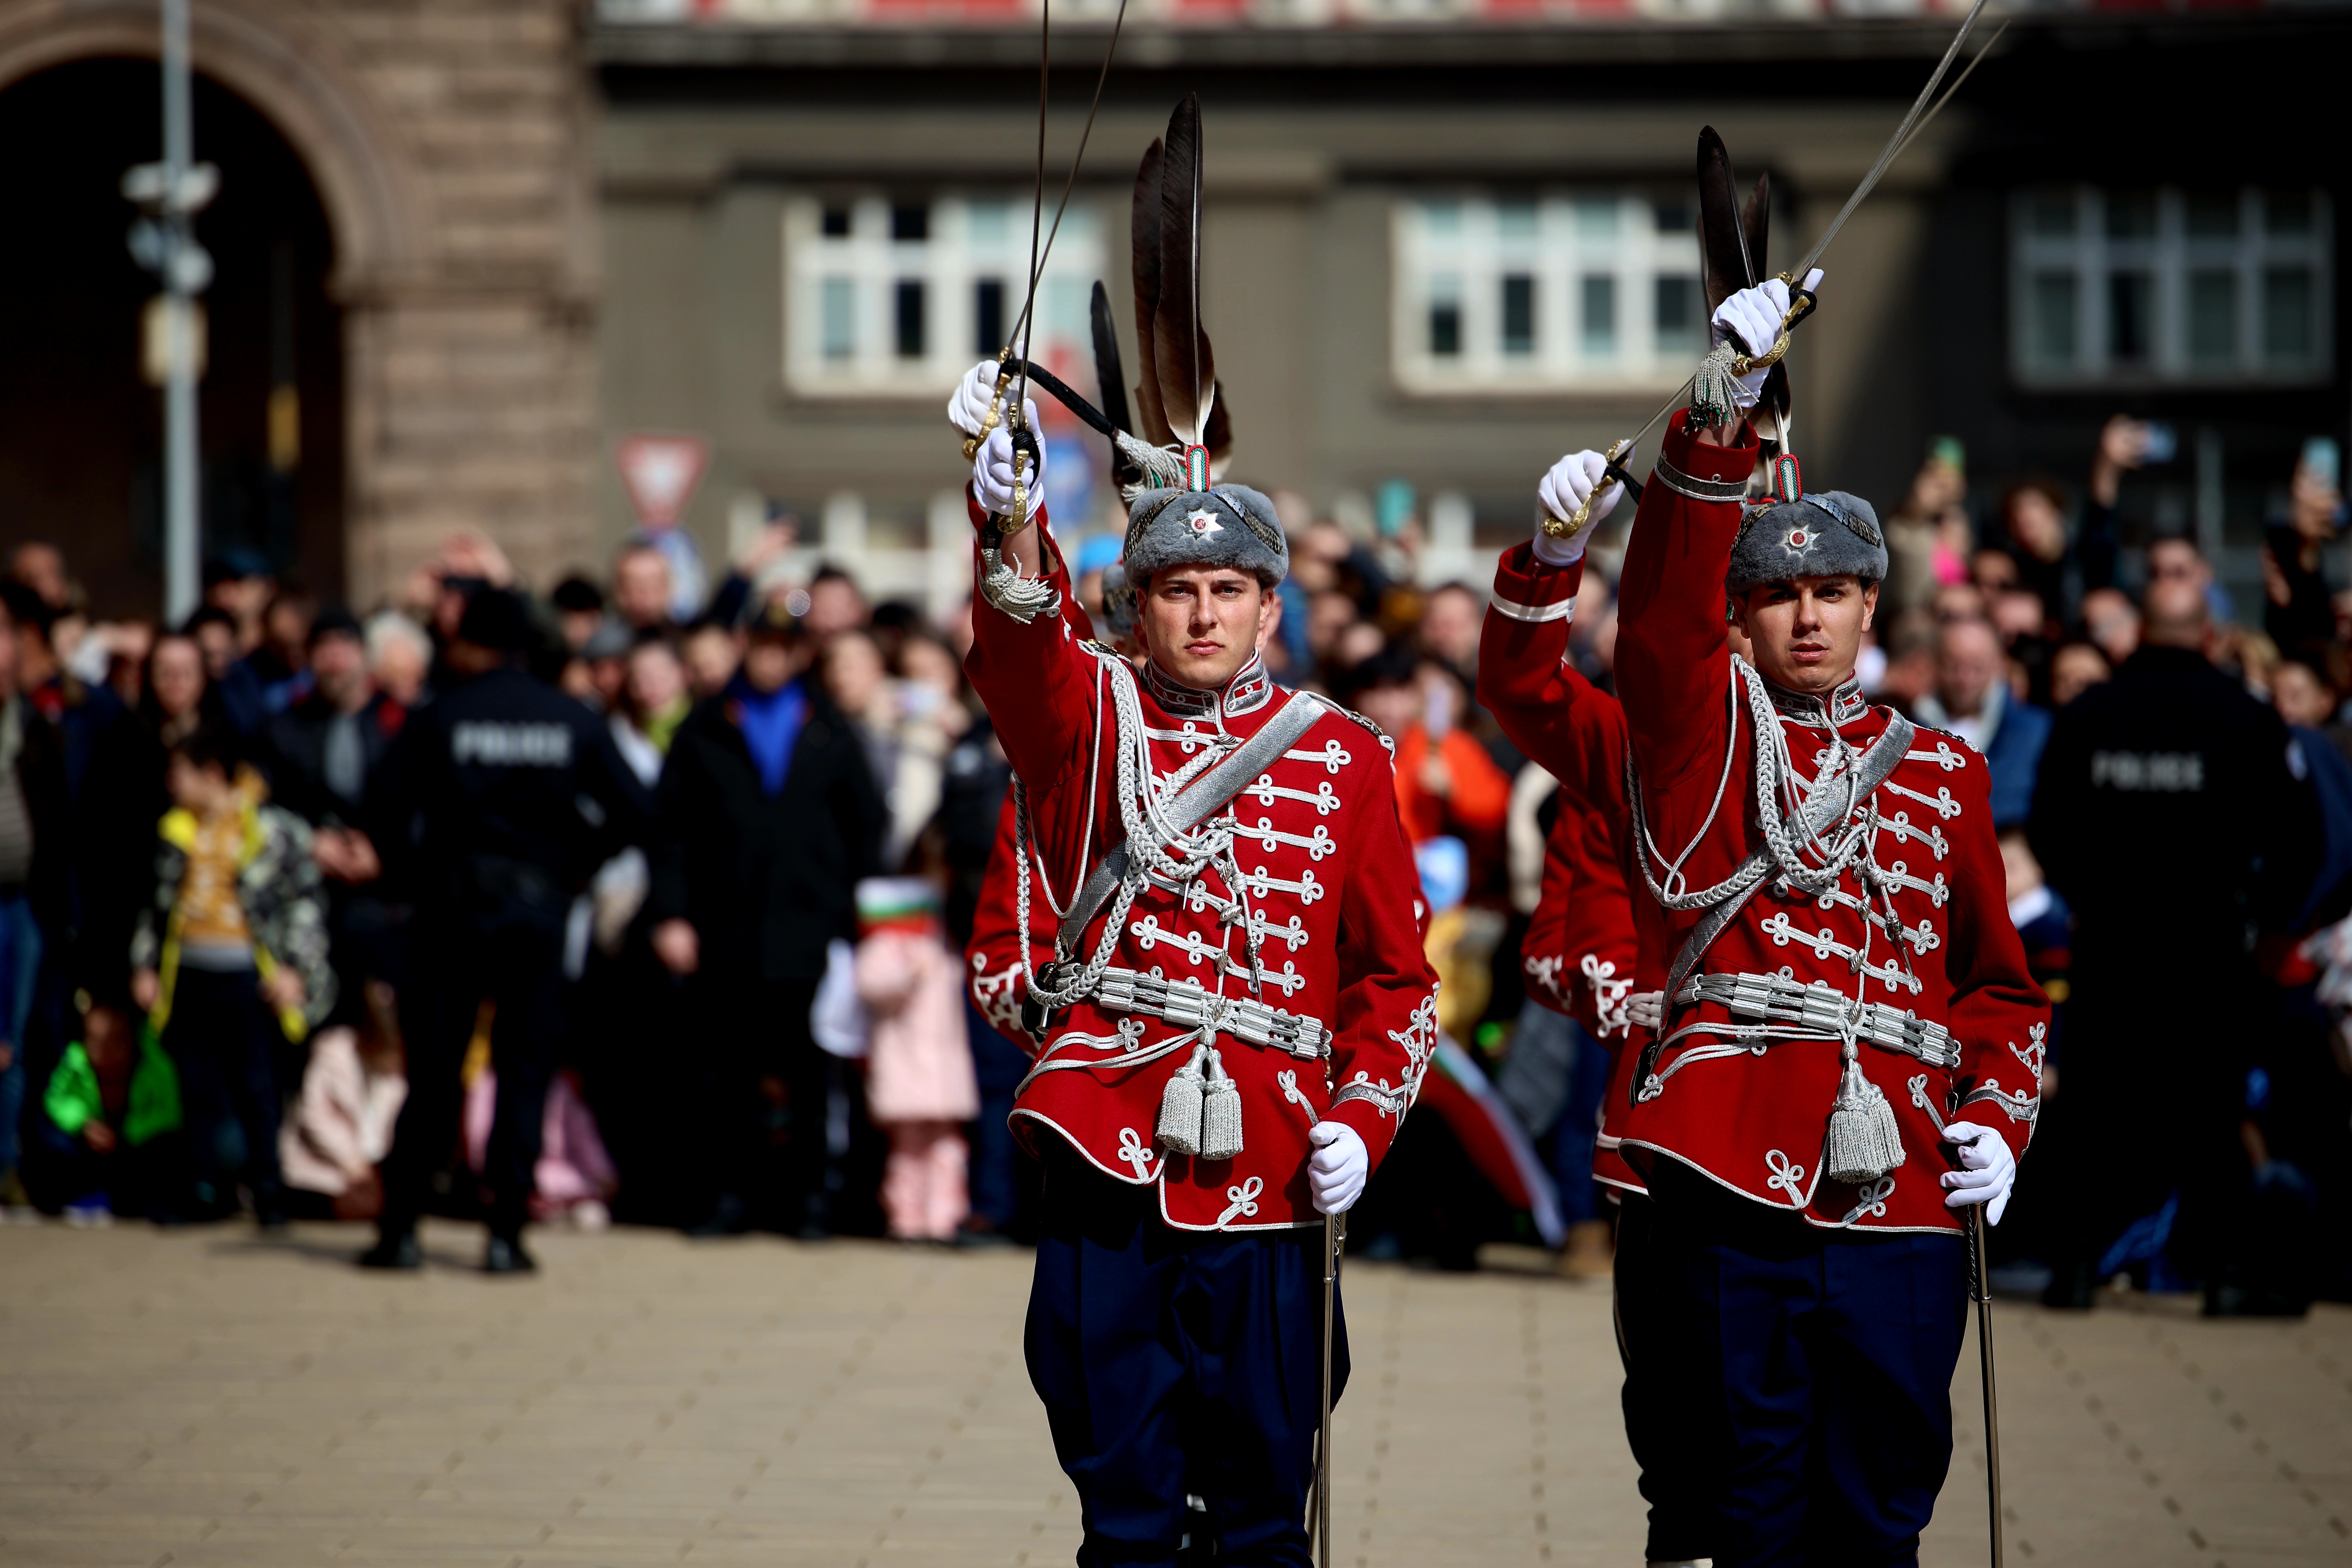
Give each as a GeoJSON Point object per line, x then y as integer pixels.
{"type": "Point", "coordinates": [1491, 1137]}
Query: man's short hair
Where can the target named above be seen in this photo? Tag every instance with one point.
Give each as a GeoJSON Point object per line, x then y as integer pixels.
{"type": "Point", "coordinates": [210, 745]}
{"type": "Point", "coordinates": [335, 621]}
{"type": "Point", "coordinates": [25, 607]}
{"type": "Point", "coordinates": [495, 619]}
{"type": "Point", "coordinates": [577, 595]}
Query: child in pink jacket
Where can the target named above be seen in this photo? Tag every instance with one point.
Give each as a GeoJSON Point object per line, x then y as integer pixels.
{"type": "Point", "coordinates": [919, 1087]}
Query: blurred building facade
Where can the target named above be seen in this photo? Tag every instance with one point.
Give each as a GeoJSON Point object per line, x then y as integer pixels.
{"type": "Point", "coordinates": [1443, 243]}
{"type": "Point", "coordinates": [422, 277]}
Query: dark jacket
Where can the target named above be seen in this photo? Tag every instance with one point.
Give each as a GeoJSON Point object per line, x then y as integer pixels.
{"type": "Point", "coordinates": [298, 755]}
{"type": "Point", "coordinates": [2170, 815]}
{"type": "Point", "coordinates": [2013, 755]}
{"type": "Point", "coordinates": [41, 774]}
{"type": "Point", "coordinates": [767, 881]}
{"type": "Point", "coordinates": [500, 799]}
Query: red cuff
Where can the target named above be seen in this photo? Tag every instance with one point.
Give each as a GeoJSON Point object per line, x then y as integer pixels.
{"type": "Point", "coordinates": [1704, 460]}
{"type": "Point", "coordinates": [1529, 588]}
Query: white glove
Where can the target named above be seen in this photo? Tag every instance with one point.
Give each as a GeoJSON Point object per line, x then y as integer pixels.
{"type": "Point", "coordinates": [1988, 1170]}
{"type": "Point", "coordinates": [1337, 1170]}
{"type": "Point", "coordinates": [991, 475]}
{"type": "Point", "coordinates": [967, 409]}
{"type": "Point", "coordinates": [1562, 491]}
{"type": "Point", "coordinates": [1751, 320]}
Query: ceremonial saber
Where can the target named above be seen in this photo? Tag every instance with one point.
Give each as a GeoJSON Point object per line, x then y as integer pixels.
{"type": "Point", "coordinates": [1334, 1234]}
{"type": "Point", "coordinates": [1922, 110]}
{"type": "Point", "coordinates": [1979, 1287]}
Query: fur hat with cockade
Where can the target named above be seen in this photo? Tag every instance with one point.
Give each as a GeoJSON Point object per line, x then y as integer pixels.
{"type": "Point", "coordinates": [1225, 525]}
{"type": "Point", "coordinates": [1826, 534]}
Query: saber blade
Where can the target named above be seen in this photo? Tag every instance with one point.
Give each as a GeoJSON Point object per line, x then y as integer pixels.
{"type": "Point", "coordinates": [1983, 1293]}
{"type": "Point", "coordinates": [1895, 144]}
{"type": "Point", "coordinates": [1335, 1233]}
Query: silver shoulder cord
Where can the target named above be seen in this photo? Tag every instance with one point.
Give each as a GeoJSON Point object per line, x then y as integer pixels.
{"type": "Point", "coordinates": [1778, 791]}
{"type": "Point", "coordinates": [1158, 850]}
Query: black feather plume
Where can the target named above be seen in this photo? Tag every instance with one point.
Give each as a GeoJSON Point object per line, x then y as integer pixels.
{"type": "Point", "coordinates": [1188, 373]}
{"type": "Point", "coordinates": [1143, 233]}
{"type": "Point", "coordinates": [1722, 250]}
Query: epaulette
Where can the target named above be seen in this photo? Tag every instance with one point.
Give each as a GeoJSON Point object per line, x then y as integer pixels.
{"type": "Point", "coordinates": [1378, 734]}
{"type": "Point", "coordinates": [1948, 735]}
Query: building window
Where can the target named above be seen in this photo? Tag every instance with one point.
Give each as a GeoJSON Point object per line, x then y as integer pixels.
{"type": "Point", "coordinates": [910, 322]}
{"type": "Point", "coordinates": [2169, 286]}
{"type": "Point", "coordinates": [1569, 290]}
{"type": "Point", "coordinates": [1518, 314]}
{"type": "Point", "coordinates": [885, 295]}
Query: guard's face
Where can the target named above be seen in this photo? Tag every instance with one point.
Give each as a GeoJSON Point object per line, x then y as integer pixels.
{"type": "Point", "coordinates": [1201, 624]}
{"type": "Point", "coordinates": [1806, 633]}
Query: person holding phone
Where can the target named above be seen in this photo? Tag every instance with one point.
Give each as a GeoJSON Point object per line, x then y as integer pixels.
{"type": "Point", "coordinates": [2297, 612]}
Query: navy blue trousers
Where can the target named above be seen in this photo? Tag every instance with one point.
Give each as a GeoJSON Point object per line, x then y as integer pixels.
{"type": "Point", "coordinates": [1664, 1383]}
{"type": "Point", "coordinates": [1177, 1362]}
{"type": "Point", "coordinates": [1831, 1353]}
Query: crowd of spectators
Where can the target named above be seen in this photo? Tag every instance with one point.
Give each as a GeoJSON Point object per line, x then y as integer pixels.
{"type": "Point", "coordinates": [204, 933]}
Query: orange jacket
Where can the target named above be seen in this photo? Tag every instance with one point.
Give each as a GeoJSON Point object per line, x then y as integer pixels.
{"type": "Point", "coordinates": [1480, 799]}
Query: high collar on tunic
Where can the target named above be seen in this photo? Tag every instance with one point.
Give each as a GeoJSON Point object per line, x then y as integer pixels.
{"type": "Point", "coordinates": [1249, 690]}
{"type": "Point", "coordinates": [1841, 707]}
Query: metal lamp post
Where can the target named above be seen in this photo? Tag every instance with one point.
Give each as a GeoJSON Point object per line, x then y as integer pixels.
{"type": "Point", "coordinates": [171, 193]}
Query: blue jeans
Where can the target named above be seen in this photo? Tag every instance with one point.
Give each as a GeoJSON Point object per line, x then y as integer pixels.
{"type": "Point", "coordinates": [998, 1066]}
{"type": "Point", "coordinates": [1578, 1128]}
{"type": "Point", "coordinates": [20, 966]}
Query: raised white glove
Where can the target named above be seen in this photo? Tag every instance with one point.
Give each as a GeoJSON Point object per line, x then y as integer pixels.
{"type": "Point", "coordinates": [1562, 491]}
{"type": "Point", "coordinates": [1750, 320]}
{"type": "Point", "coordinates": [991, 475]}
{"type": "Point", "coordinates": [1337, 1170]}
{"type": "Point", "coordinates": [967, 409]}
{"type": "Point", "coordinates": [1988, 1170]}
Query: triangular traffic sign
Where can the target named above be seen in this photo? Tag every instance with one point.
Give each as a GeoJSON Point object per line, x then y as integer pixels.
{"type": "Point", "coordinates": [660, 472]}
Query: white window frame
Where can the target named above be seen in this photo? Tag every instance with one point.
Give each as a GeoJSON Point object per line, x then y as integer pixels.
{"type": "Point", "coordinates": [2170, 257]}
{"type": "Point", "coordinates": [962, 249]}
{"type": "Point", "coordinates": [1559, 252]}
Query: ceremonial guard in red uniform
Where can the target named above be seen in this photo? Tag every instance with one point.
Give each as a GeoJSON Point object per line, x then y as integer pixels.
{"type": "Point", "coordinates": [1235, 1013]}
{"type": "Point", "coordinates": [1584, 955]}
{"type": "Point", "coordinates": [1852, 1045]}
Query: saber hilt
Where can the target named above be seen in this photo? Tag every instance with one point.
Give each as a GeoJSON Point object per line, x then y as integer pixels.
{"type": "Point", "coordinates": [1800, 305]}
{"type": "Point", "coordinates": [1612, 467]}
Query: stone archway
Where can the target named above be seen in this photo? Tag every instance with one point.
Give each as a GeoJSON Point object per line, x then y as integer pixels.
{"type": "Point", "coordinates": [366, 176]}
{"type": "Point", "coordinates": [469, 346]}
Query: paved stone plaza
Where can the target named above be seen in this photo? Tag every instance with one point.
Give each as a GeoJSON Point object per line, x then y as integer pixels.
{"type": "Point", "coordinates": [209, 1398]}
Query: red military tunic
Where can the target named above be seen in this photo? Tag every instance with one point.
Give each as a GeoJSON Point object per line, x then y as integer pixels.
{"type": "Point", "coordinates": [1325, 877]}
{"type": "Point", "coordinates": [1585, 928]}
{"type": "Point", "coordinates": [1752, 1113]}
{"type": "Point", "coordinates": [993, 957]}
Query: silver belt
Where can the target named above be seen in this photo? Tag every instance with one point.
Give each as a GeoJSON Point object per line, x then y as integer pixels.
{"type": "Point", "coordinates": [1826, 1011]}
{"type": "Point", "coordinates": [1189, 1004]}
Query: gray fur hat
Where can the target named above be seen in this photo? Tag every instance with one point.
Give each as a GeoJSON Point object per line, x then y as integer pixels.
{"type": "Point", "coordinates": [1225, 525]}
{"type": "Point", "coordinates": [1825, 534]}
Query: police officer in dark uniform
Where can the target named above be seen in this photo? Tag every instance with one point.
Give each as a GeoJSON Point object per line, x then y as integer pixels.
{"type": "Point", "coordinates": [496, 805]}
{"type": "Point", "coordinates": [2172, 814]}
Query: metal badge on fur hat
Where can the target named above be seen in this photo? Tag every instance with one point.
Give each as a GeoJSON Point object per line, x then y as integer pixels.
{"type": "Point", "coordinates": [1827, 534]}
{"type": "Point", "coordinates": [1226, 525]}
